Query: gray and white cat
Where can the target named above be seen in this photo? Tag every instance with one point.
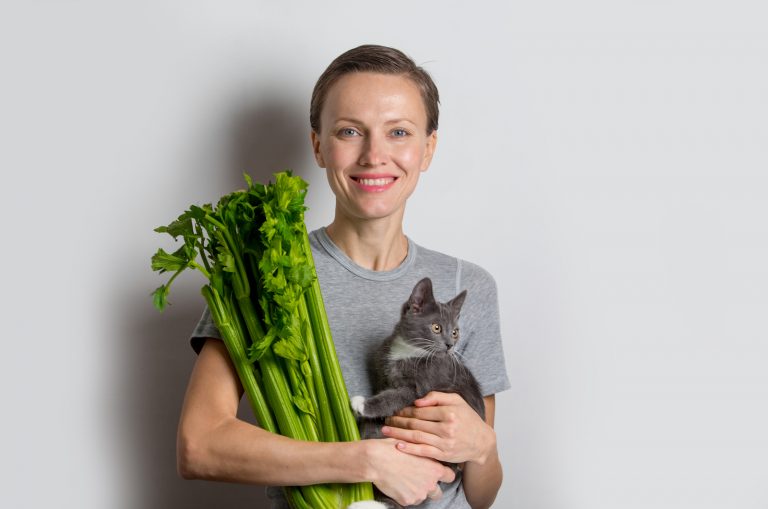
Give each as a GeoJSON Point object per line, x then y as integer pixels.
{"type": "Point", "coordinates": [420, 357]}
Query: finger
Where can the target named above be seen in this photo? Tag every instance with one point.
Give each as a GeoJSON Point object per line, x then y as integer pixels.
{"type": "Point", "coordinates": [435, 494]}
{"type": "Point", "coordinates": [429, 413]}
{"type": "Point", "coordinates": [405, 411]}
{"type": "Point", "coordinates": [416, 424]}
{"type": "Point", "coordinates": [409, 435]}
{"type": "Point", "coordinates": [448, 475]}
{"type": "Point", "coordinates": [423, 450]}
{"type": "Point", "coordinates": [437, 398]}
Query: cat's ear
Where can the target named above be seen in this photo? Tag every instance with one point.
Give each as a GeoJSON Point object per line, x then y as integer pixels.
{"type": "Point", "coordinates": [457, 302]}
{"type": "Point", "coordinates": [421, 296]}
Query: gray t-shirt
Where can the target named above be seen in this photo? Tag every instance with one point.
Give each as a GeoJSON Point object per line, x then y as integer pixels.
{"type": "Point", "coordinates": [363, 307]}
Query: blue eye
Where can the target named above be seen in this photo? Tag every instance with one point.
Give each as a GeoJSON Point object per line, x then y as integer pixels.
{"type": "Point", "coordinates": [399, 133]}
{"type": "Point", "coordinates": [348, 131]}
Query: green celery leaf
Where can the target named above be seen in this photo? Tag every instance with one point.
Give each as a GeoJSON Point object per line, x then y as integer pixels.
{"type": "Point", "coordinates": [257, 350]}
{"type": "Point", "coordinates": [303, 404]}
{"type": "Point", "coordinates": [227, 261]}
{"type": "Point", "coordinates": [289, 350]}
{"type": "Point", "coordinates": [306, 369]}
{"type": "Point", "coordinates": [288, 300]}
{"type": "Point", "coordinates": [160, 297]}
{"type": "Point", "coordinates": [301, 275]}
{"type": "Point", "coordinates": [199, 213]}
{"type": "Point", "coordinates": [170, 262]}
{"type": "Point", "coordinates": [267, 309]}
{"type": "Point", "coordinates": [217, 282]}
{"type": "Point", "coordinates": [181, 226]}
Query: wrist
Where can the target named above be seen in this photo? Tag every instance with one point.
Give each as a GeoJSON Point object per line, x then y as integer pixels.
{"type": "Point", "coordinates": [338, 462]}
{"type": "Point", "coordinates": [487, 449]}
{"type": "Point", "coordinates": [365, 459]}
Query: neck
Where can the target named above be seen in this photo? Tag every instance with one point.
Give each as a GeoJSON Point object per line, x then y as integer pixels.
{"type": "Point", "coordinates": [377, 244]}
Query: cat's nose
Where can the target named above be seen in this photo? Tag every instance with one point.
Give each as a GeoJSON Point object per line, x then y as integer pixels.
{"type": "Point", "coordinates": [448, 346]}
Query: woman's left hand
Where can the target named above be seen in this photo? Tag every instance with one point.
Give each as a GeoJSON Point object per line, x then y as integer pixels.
{"type": "Point", "coordinates": [444, 427]}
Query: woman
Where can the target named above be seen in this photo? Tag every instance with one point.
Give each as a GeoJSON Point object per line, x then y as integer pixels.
{"type": "Point", "coordinates": [374, 129]}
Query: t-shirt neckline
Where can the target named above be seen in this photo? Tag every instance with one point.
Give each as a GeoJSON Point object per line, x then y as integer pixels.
{"type": "Point", "coordinates": [373, 275]}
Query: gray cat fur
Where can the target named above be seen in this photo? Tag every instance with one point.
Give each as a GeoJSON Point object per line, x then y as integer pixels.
{"type": "Point", "coordinates": [401, 380]}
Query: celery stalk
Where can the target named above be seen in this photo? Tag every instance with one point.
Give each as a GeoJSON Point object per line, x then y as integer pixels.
{"type": "Point", "coordinates": [325, 412]}
{"type": "Point", "coordinates": [235, 344]}
{"type": "Point", "coordinates": [265, 299]}
{"type": "Point", "coordinates": [338, 396]}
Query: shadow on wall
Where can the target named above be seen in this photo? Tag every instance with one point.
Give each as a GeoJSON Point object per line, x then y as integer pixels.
{"type": "Point", "coordinates": [266, 137]}
{"type": "Point", "coordinates": [270, 138]}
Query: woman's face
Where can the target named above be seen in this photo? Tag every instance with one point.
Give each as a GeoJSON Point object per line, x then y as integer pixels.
{"type": "Point", "coordinates": [373, 143]}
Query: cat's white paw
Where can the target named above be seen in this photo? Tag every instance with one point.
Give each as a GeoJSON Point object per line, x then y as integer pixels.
{"type": "Point", "coordinates": [358, 405]}
{"type": "Point", "coordinates": [368, 504]}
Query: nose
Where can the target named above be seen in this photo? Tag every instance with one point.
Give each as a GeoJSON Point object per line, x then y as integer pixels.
{"type": "Point", "coordinates": [373, 152]}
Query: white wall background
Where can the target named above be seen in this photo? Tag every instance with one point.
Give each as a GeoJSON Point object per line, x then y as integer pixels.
{"type": "Point", "coordinates": [606, 161]}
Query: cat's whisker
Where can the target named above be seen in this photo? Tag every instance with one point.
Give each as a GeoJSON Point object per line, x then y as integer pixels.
{"type": "Point", "coordinates": [432, 354]}
{"type": "Point", "coordinates": [454, 363]}
{"type": "Point", "coordinates": [426, 354]}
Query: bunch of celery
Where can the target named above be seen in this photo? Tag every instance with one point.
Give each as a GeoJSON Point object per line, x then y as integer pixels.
{"type": "Point", "coordinates": [264, 298]}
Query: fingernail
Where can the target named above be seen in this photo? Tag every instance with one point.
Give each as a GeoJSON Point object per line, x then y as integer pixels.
{"type": "Point", "coordinates": [385, 429]}
{"type": "Point", "coordinates": [400, 445]}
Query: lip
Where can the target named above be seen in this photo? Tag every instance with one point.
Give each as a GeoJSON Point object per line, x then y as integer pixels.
{"type": "Point", "coordinates": [373, 182]}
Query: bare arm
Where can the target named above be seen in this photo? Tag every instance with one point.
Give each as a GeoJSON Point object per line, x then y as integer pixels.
{"type": "Point", "coordinates": [212, 443]}
{"type": "Point", "coordinates": [483, 480]}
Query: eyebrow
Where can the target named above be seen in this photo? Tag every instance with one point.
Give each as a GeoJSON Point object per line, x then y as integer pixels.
{"type": "Point", "coordinates": [357, 121]}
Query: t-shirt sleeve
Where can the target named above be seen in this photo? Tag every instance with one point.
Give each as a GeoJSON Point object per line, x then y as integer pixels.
{"type": "Point", "coordinates": [480, 330]}
{"type": "Point", "coordinates": [205, 329]}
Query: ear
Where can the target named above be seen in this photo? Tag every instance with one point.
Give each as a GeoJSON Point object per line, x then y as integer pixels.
{"type": "Point", "coordinates": [421, 296]}
{"type": "Point", "coordinates": [457, 302]}
{"type": "Point", "coordinates": [315, 138]}
{"type": "Point", "coordinates": [430, 151]}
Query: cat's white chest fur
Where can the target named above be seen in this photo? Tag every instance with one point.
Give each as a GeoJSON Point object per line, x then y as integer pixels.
{"type": "Point", "coordinates": [401, 349]}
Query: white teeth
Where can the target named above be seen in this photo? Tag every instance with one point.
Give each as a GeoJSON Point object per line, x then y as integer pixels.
{"type": "Point", "coordinates": [376, 182]}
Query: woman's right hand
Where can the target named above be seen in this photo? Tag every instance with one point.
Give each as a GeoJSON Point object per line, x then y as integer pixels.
{"type": "Point", "coordinates": [407, 479]}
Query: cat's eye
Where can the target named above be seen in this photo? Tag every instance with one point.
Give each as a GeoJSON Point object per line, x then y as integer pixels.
{"type": "Point", "coordinates": [455, 334]}
{"type": "Point", "coordinates": [436, 328]}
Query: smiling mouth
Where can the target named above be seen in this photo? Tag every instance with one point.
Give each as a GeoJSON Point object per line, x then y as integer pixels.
{"type": "Point", "coordinates": [374, 182]}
